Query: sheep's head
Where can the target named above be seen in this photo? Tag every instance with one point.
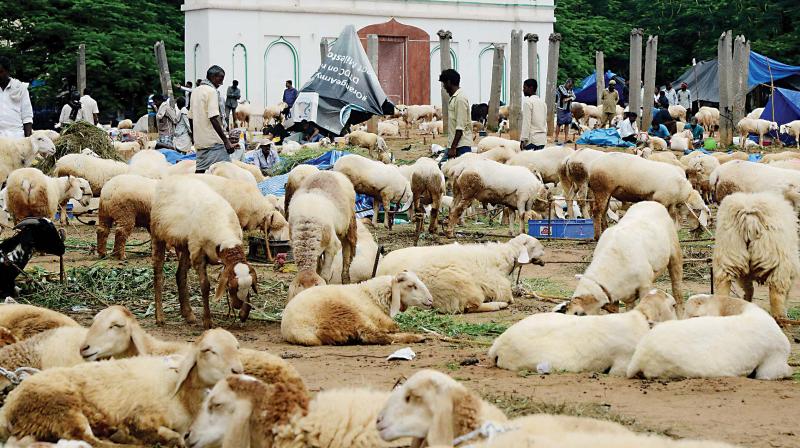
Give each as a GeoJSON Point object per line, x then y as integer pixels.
{"type": "Point", "coordinates": [710, 305]}
{"type": "Point", "coordinates": [657, 306]}
{"type": "Point", "coordinates": [224, 411]}
{"type": "Point", "coordinates": [213, 357]}
{"type": "Point", "coordinates": [79, 190]}
{"type": "Point", "coordinates": [42, 145]}
{"type": "Point", "coordinates": [588, 299]}
{"type": "Point", "coordinates": [305, 279]}
{"type": "Point", "coordinates": [325, 142]}
{"type": "Point", "coordinates": [382, 144]}
{"type": "Point", "coordinates": [784, 129]}
{"type": "Point", "coordinates": [407, 196]}
{"type": "Point", "coordinates": [114, 331]}
{"type": "Point", "coordinates": [698, 211]}
{"type": "Point", "coordinates": [407, 291]}
{"type": "Point", "coordinates": [276, 226]}
{"type": "Point", "coordinates": [773, 126]}
{"type": "Point", "coordinates": [530, 249]}
{"type": "Point", "coordinates": [239, 278]}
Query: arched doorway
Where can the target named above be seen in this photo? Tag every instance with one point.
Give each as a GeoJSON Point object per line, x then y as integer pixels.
{"type": "Point", "coordinates": [280, 64]}
{"type": "Point", "coordinates": [239, 68]}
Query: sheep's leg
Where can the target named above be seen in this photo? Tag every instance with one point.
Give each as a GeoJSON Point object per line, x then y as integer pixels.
{"type": "Point", "coordinates": [455, 214]}
{"type": "Point", "coordinates": [599, 207]}
{"type": "Point", "coordinates": [124, 229]}
{"type": "Point", "coordinates": [328, 254]}
{"type": "Point", "coordinates": [722, 286]}
{"type": "Point", "coordinates": [747, 285]}
{"type": "Point", "coordinates": [159, 253]}
{"type": "Point", "coordinates": [488, 306]}
{"type": "Point", "coordinates": [435, 205]}
{"type": "Point", "coordinates": [349, 250]}
{"type": "Point", "coordinates": [583, 196]}
{"type": "Point", "coordinates": [62, 216]}
{"type": "Point", "coordinates": [675, 267]}
{"type": "Point", "coordinates": [407, 338]}
{"type": "Point", "coordinates": [569, 196]}
{"type": "Point", "coordinates": [388, 215]}
{"type": "Point", "coordinates": [199, 265]}
{"type": "Point", "coordinates": [183, 285]}
{"type": "Point", "coordinates": [620, 366]}
{"type": "Point", "coordinates": [103, 229]}
{"type": "Point", "coordinates": [376, 207]}
{"type": "Point", "coordinates": [777, 301]}
{"type": "Point", "coordinates": [512, 219]}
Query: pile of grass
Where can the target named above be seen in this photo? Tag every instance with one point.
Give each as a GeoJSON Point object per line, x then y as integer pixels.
{"type": "Point", "coordinates": [77, 136]}
{"type": "Point", "coordinates": [428, 320]}
{"type": "Point", "coordinates": [290, 161]}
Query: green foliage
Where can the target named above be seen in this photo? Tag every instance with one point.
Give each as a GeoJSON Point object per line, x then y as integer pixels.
{"type": "Point", "coordinates": [422, 320]}
{"type": "Point", "coordinates": [42, 38]}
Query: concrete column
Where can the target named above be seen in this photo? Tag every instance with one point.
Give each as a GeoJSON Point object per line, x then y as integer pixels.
{"type": "Point", "coordinates": [372, 54]}
{"type": "Point", "coordinates": [650, 58]}
{"type": "Point", "coordinates": [552, 80]}
{"type": "Point", "coordinates": [163, 70]}
{"type": "Point", "coordinates": [323, 50]}
{"type": "Point", "coordinates": [635, 73]}
{"type": "Point", "coordinates": [445, 63]}
{"type": "Point", "coordinates": [533, 55]}
{"type": "Point", "coordinates": [725, 74]}
{"type": "Point", "coordinates": [600, 74]}
{"type": "Point", "coordinates": [741, 64]}
{"type": "Point", "coordinates": [497, 86]}
{"type": "Point", "coordinates": [81, 68]}
{"type": "Point", "coordinates": [515, 79]}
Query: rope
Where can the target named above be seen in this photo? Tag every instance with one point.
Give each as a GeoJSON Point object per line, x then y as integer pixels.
{"type": "Point", "coordinates": [487, 430]}
{"type": "Point", "coordinates": [18, 375]}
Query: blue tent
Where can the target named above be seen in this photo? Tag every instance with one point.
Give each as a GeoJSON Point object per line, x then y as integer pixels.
{"type": "Point", "coordinates": [587, 92]}
{"type": "Point", "coordinates": [783, 106]}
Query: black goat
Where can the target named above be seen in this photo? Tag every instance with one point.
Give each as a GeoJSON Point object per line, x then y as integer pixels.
{"type": "Point", "coordinates": [480, 112]}
{"type": "Point", "coordinates": [32, 234]}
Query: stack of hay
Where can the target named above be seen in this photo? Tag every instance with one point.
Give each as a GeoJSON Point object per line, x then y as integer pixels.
{"type": "Point", "coordinates": [74, 138]}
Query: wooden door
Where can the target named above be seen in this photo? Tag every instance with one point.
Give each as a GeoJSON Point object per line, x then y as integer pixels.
{"type": "Point", "coordinates": [392, 67]}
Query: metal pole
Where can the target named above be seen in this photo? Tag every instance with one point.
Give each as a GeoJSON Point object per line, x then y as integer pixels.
{"type": "Point", "coordinates": [444, 63]}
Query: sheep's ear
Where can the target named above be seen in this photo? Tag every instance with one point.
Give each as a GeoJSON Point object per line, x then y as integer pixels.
{"type": "Point", "coordinates": [703, 218]}
{"type": "Point", "coordinates": [187, 364]}
{"type": "Point", "coordinates": [255, 280]}
{"type": "Point", "coordinates": [221, 284]}
{"type": "Point", "coordinates": [239, 437]}
{"type": "Point", "coordinates": [523, 257]}
{"type": "Point", "coordinates": [395, 306]}
{"type": "Point", "coordinates": [139, 339]}
{"type": "Point", "coordinates": [441, 430]}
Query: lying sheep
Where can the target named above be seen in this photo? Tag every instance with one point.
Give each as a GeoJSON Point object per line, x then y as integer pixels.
{"type": "Point", "coordinates": [580, 343]}
{"type": "Point", "coordinates": [724, 157]}
{"type": "Point", "coordinates": [143, 400]}
{"type": "Point", "coordinates": [792, 128]}
{"type": "Point", "coordinates": [127, 150]}
{"type": "Point", "coordinates": [323, 143]}
{"type": "Point", "coordinates": [627, 260]}
{"type": "Point", "coordinates": [25, 321]}
{"type": "Point", "coordinates": [389, 128]}
{"type": "Point", "coordinates": [744, 341]}
{"type": "Point", "coordinates": [125, 201]}
{"type": "Point", "coordinates": [257, 174]}
{"type": "Point", "coordinates": [373, 143]}
{"type": "Point", "coordinates": [362, 313]}
{"type": "Point", "coordinates": [125, 124]}
{"type": "Point", "coordinates": [289, 147]}
{"type": "Point", "coordinates": [229, 170]}
{"type": "Point", "coordinates": [756, 240]}
{"type": "Point", "coordinates": [18, 153]}
{"type": "Point", "coordinates": [492, 142]}
{"type": "Point", "coordinates": [466, 278]}
{"type": "Point", "coordinates": [384, 183]}
{"type": "Point", "coordinates": [778, 156]}
{"type": "Point", "coordinates": [546, 161]}
{"type": "Point", "coordinates": [296, 177]}
{"type": "Point", "coordinates": [95, 170]}
{"type": "Point", "coordinates": [31, 193]}
{"type": "Point", "coordinates": [573, 174]}
{"type": "Point", "coordinates": [751, 177]}
{"type": "Point", "coordinates": [149, 163]}
{"type": "Point", "coordinates": [427, 188]}
{"type": "Point", "coordinates": [790, 164]}
{"type": "Point", "coordinates": [59, 347]}
{"type": "Point", "coordinates": [434, 128]}
{"type": "Point", "coordinates": [569, 437]}
{"type": "Point", "coordinates": [747, 126]}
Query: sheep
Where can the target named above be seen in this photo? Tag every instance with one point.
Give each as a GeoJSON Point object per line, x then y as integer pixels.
{"type": "Point", "coordinates": [49, 133]}
{"type": "Point", "coordinates": [751, 177]}
{"type": "Point", "coordinates": [681, 141]}
{"type": "Point", "coordinates": [25, 321]}
{"type": "Point", "coordinates": [500, 154]}
{"type": "Point", "coordinates": [663, 156]}
{"type": "Point", "coordinates": [249, 116]}
{"type": "Point", "coordinates": [289, 148]}
{"type": "Point", "coordinates": [259, 176]}
{"type": "Point", "coordinates": [414, 113]}
{"type": "Point", "coordinates": [569, 435]}
{"type": "Point", "coordinates": [708, 117]}
{"type": "Point", "coordinates": [756, 240]}
{"type": "Point", "coordinates": [699, 173]}
{"type": "Point", "coordinates": [434, 128]}
{"type": "Point", "coordinates": [374, 144]}
{"type": "Point", "coordinates": [591, 111]}
{"type": "Point", "coordinates": [384, 183]}
{"type": "Point", "coordinates": [744, 342]}
{"type": "Point", "coordinates": [466, 277]}
{"type": "Point", "coordinates": [125, 124]}
{"type": "Point", "coordinates": [545, 161]}
{"type": "Point", "coordinates": [427, 188]}
{"type": "Point", "coordinates": [389, 128]}
{"type": "Point", "coordinates": [363, 262]}
{"type": "Point", "coordinates": [95, 170]}
{"type": "Point", "coordinates": [18, 153]}
{"type": "Point", "coordinates": [149, 163]}
{"type": "Point", "coordinates": [127, 150]}
{"type": "Point", "coordinates": [57, 347]}
{"type": "Point", "coordinates": [758, 126]}
{"type": "Point", "coordinates": [494, 183]}
{"type": "Point", "coordinates": [273, 113]}
{"type": "Point", "coordinates": [756, 113]}
{"type": "Point", "coordinates": [322, 222]}
{"type": "Point", "coordinates": [174, 221]}
{"type": "Point", "coordinates": [125, 201]}
{"type": "Point", "coordinates": [159, 398]}
{"type": "Point", "coordinates": [432, 408]}
{"type": "Point", "coordinates": [229, 170]}
{"type": "Point", "coordinates": [33, 194]}
{"type": "Point", "coordinates": [627, 260]}
{"type": "Point", "coordinates": [181, 167]}
{"type": "Point", "coordinates": [677, 112]}
{"type": "Point", "coordinates": [573, 174]}
{"type": "Point", "coordinates": [503, 112]}
{"type": "Point", "coordinates": [792, 128]}
{"type": "Point", "coordinates": [361, 313]}
{"type": "Point", "coordinates": [296, 177]}
{"type": "Point", "coordinates": [778, 156]}
{"type": "Point", "coordinates": [492, 142]}
{"type": "Point", "coordinates": [580, 343]}
{"type": "Point", "coordinates": [657, 143]}
{"type": "Point", "coordinates": [724, 157]}
{"type": "Point", "coordinates": [790, 164]}
{"type": "Point", "coordinates": [631, 179]}
{"type": "Point", "coordinates": [323, 143]}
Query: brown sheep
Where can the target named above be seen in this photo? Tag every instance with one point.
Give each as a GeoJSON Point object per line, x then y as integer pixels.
{"type": "Point", "coordinates": [125, 201]}
{"type": "Point", "coordinates": [24, 321]}
{"type": "Point", "coordinates": [427, 188]}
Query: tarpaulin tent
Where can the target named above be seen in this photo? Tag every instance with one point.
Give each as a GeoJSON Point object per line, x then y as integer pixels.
{"type": "Point", "coordinates": [783, 106]}
{"type": "Point", "coordinates": [703, 79]}
{"type": "Point", "coordinates": [587, 92]}
{"type": "Point", "coordinates": [345, 88]}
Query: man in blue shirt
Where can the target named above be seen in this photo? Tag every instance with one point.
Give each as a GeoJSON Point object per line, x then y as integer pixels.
{"type": "Point", "coordinates": [697, 132]}
{"type": "Point", "coordinates": [289, 97]}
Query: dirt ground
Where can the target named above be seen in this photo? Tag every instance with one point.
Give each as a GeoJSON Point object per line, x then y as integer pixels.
{"type": "Point", "coordinates": [736, 410]}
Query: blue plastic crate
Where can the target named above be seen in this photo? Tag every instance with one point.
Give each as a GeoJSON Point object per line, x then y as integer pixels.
{"type": "Point", "coordinates": [582, 229]}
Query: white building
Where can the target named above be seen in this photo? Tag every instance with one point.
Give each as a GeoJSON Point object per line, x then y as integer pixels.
{"type": "Point", "coordinates": [263, 43]}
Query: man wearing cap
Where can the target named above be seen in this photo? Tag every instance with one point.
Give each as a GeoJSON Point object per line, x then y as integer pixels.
{"type": "Point", "coordinates": [685, 97]}
{"type": "Point", "coordinates": [609, 101]}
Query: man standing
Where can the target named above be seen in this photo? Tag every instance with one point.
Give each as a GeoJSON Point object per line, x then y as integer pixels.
{"type": "Point", "coordinates": [205, 114]}
{"type": "Point", "coordinates": [16, 112]}
{"type": "Point", "coordinates": [289, 97]}
{"type": "Point", "coordinates": [672, 96]}
{"type": "Point", "coordinates": [166, 119]}
{"type": "Point", "coordinates": [89, 109]}
{"type": "Point", "coordinates": [232, 100]}
{"type": "Point", "coordinates": [183, 132]}
{"type": "Point", "coordinates": [459, 122]}
{"type": "Point", "coordinates": [685, 98]}
{"type": "Point", "coordinates": [564, 98]}
{"type": "Point", "coordinates": [71, 111]}
{"type": "Point", "coordinates": [534, 118]}
{"type": "Point", "coordinates": [609, 102]}
{"type": "Point", "coordinates": [627, 128]}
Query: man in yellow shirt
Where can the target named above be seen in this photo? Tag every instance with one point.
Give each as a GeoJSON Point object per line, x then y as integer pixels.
{"type": "Point", "coordinates": [205, 116]}
{"type": "Point", "coordinates": [533, 135]}
{"type": "Point", "coordinates": [459, 121]}
{"type": "Point", "coordinates": [610, 100]}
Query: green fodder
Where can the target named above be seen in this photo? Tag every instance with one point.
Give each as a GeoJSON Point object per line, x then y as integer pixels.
{"type": "Point", "coordinates": [429, 320]}
{"type": "Point", "coordinates": [74, 138]}
{"type": "Point", "coordinates": [298, 158]}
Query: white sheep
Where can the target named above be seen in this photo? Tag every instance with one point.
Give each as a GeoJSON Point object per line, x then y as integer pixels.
{"type": "Point", "coordinates": [570, 435]}
{"type": "Point", "coordinates": [546, 161]}
{"type": "Point", "coordinates": [127, 150]}
{"type": "Point", "coordinates": [434, 128]}
{"type": "Point", "coordinates": [289, 147]}
{"type": "Point", "coordinates": [492, 142]}
{"type": "Point", "coordinates": [778, 156]}
{"type": "Point", "coordinates": [573, 174]}
{"type": "Point", "coordinates": [708, 117]}
{"type": "Point", "coordinates": [389, 128]}
{"type": "Point", "coordinates": [724, 157]}
{"type": "Point", "coordinates": [751, 177]}
{"type": "Point", "coordinates": [293, 181]}
{"type": "Point", "coordinates": [149, 163]}
{"type": "Point", "coordinates": [323, 143]}
{"type": "Point", "coordinates": [18, 153]}
{"type": "Point", "coordinates": [677, 112]}
{"type": "Point", "coordinates": [361, 313]}
{"type": "Point", "coordinates": [742, 340]}
{"type": "Point", "coordinates": [125, 201]}
{"type": "Point", "coordinates": [661, 156]}
{"type": "Point", "coordinates": [374, 144]}
{"type": "Point", "coordinates": [580, 343]}
{"type": "Point", "coordinates": [427, 188]}
{"type": "Point", "coordinates": [657, 143]}
{"type": "Point", "coordinates": [95, 170]}
{"type": "Point", "coordinates": [413, 113]}
{"type": "Point", "coordinates": [628, 258]}
{"type": "Point", "coordinates": [273, 113]}
{"type": "Point", "coordinates": [790, 164]}
{"type": "Point", "coordinates": [125, 124]}
{"type": "Point", "coordinates": [363, 262]}
{"type": "Point", "coordinates": [466, 277]}
{"type": "Point", "coordinates": [229, 170]}
{"type": "Point", "coordinates": [24, 321]}
{"type": "Point", "coordinates": [31, 193]}
{"type": "Point", "coordinates": [384, 183]}
{"type": "Point", "coordinates": [681, 141]}
{"type": "Point", "coordinates": [747, 126]}
{"type": "Point", "coordinates": [792, 128]}
{"type": "Point", "coordinates": [246, 166]}
{"type": "Point", "coordinates": [756, 240]}
{"type": "Point", "coordinates": [58, 347]}
{"type": "Point", "coordinates": [699, 171]}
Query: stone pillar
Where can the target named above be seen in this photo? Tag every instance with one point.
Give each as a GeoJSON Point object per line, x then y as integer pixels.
{"type": "Point", "coordinates": [163, 71]}
{"type": "Point", "coordinates": [600, 74]}
{"type": "Point", "coordinates": [725, 62]}
{"type": "Point", "coordinates": [741, 65]}
{"type": "Point", "coordinates": [552, 80]}
{"type": "Point", "coordinates": [515, 80]}
{"type": "Point", "coordinates": [81, 80]}
{"type": "Point", "coordinates": [497, 87]}
{"type": "Point", "coordinates": [444, 62]}
{"type": "Point", "coordinates": [323, 50]}
{"type": "Point", "coordinates": [650, 58]}
{"type": "Point", "coordinates": [372, 54]}
{"type": "Point", "coordinates": [635, 73]}
{"type": "Point", "coordinates": [533, 55]}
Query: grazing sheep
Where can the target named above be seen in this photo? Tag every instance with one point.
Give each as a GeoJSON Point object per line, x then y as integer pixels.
{"type": "Point", "coordinates": [149, 163]}
{"type": "Point", "coordinates": [257, 174]}
{"type": "Point", "coordinates": [708, 117]}
{"type": "Point", "coordinates": [627, 260]}
{"type": "Point", "coordinates": [434, 128]}
{"type": "Point", "coordinates": [778, 156]}
{"type": "Point", "coordinates": [25, 321]}
{"type": "Point", "coordinates": [699, 174]}
{"type": "Point", "coordinates": [142, 400]}
{"type": "Point", "coordinates": [125, 124]}
{"type": "Point", "coordinates": [756, 240]}
{"type": "Point", "coordinates": [296, 177]}
{"type": "Point", "coordinates": [229, 170]}
{"type": "Point", "coordinates": [751, 177]}
{"type": "Point", "coordinates": [677, 112]}
{"type": "Point", "coordinates": [546, 161]}
{"type": "Point", "coordinates": [758, 126]}
{"type": "Point", "coordinates": [176, 221]}
{"type": "Point", "coordinates": [363, 261]}
{"type": "Point", "coordinates": [374, 144]}
{"type": "Point", "coordinates": [31, 193]}
{"type": "Point", "coordinates": [273, 113]}
{"type": "Point", "coordinates": [127, 150]}
{"type": "Point", "coordinates": [743, 341]}
{"type": "Point", "coordinates": [631, 179]}
{"type": "Point", "coordinates": [59, 347]}
{"type": "Point", "coordinates": [125, 201]}
{"type": "Point", "coordinates": [492, 142]}
{"type": "Point", "coordinates": [466, 278]}
{"type": "Point", "coordinates": [18, 153]}
{"type": "Point", "coordinates": [389, 128]}
{"type": "Point", "coordinates": [573, 174]}
{"type": "Point", "coordinates": [792, 128]}
{"type": "Point", "coordinates": [322, 223]}
{"type": "Point", "coordinates": [413, 113]}
{"type": "Point", "coordinates": [384, 183]}
{"type": "Point", "coordinates": [580, 343]}
{"type": "Point", "coordinates": [427, 188]}
{"type": "Point", "coordinates": [432, 408]}
{"type": "Point", "coordinates": [95, 170]}
{"type": "Point", "coordinates": [361, 313]}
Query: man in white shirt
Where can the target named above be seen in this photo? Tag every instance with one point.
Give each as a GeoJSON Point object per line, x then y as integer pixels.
{"type": "Point", "coordinates": [672, 95]}
{"type": "Point", "coordinates": [685, 97]}
{"type": "Point", "coordinates": [534, 118]}
{"type": "Point", "coordinates": [89, 108]}
{"type": "Point", "coordinates": [628, 129]}
{"type": "Point", "coordinates": [71, 112]}
{"type": "Point", "coordinates": [16, 112]}
{"type": "Point", "coordinates": [205, 115]}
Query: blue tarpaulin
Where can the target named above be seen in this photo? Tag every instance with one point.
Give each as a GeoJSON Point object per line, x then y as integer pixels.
{"type": "Point", "coordinates": [603, 137]}
{"type": "Point", "coordinates": [174, 157]}
{"type": "Point", "coordinates": [587, 92]}
{"type": "Point", "coordinates": [783, 106]}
